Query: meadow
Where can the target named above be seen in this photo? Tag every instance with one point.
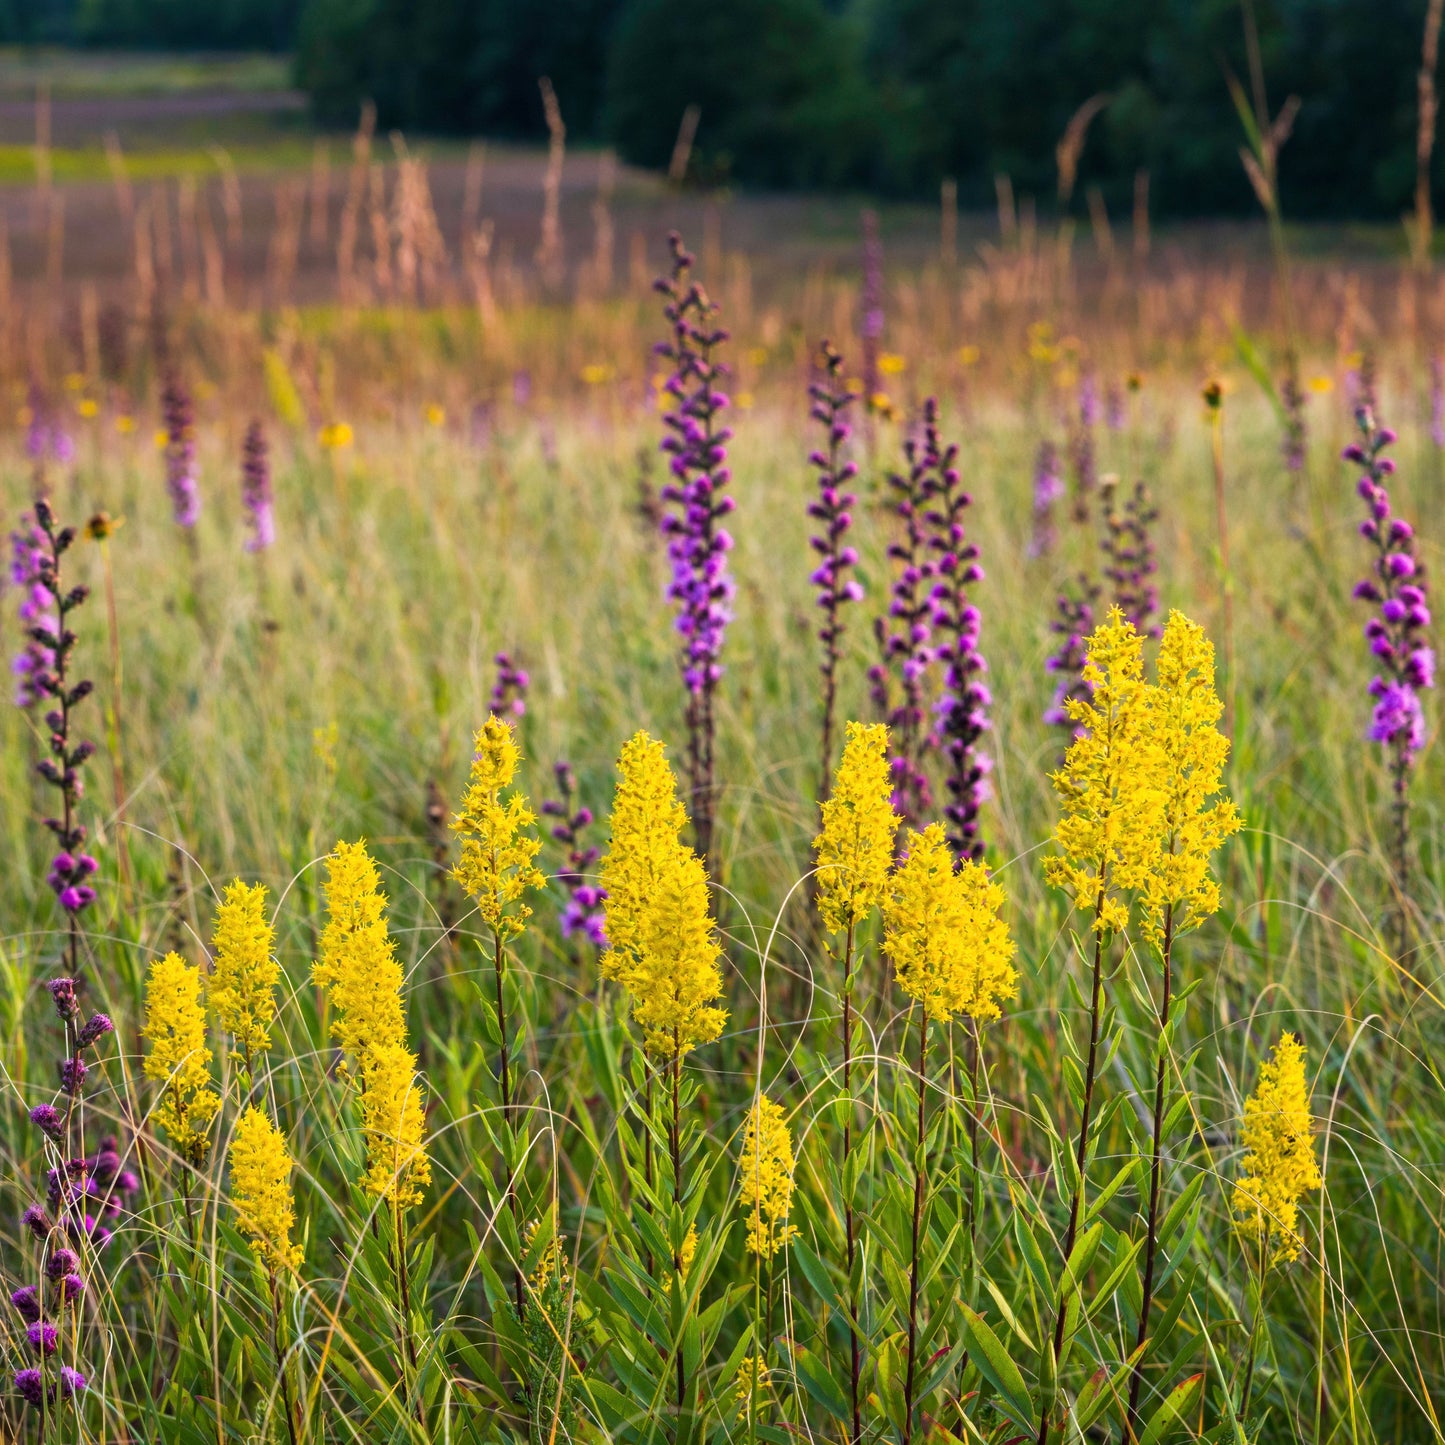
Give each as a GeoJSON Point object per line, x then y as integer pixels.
{"type": "Point", "coordinates": [374, 535]}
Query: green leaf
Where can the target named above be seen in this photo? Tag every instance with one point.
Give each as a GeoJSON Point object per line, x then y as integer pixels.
{"type": "Point", "coordinates": [1172, 1410]}
{"type": "Point", "coordinates": [988, 1353]}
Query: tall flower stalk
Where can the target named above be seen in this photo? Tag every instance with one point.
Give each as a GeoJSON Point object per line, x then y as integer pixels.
{"type": "Point", "coordinates": [1398, 641]}
{"type": "Point", "coordinates": [1111, 788]}
{"type": "Point", "coordinates": [952, 955]}
{"type": "Point", "coordinates": [702, 587]}
{"type": "Point", "coordinates": [180, 427]}
{"type": "Point", "coordinates": [583, 914]}
{"type": "Point", "coordinates": [256, 493]}
{"type": "Point", "coordinates": [831, 510]}
{"type": "Point", "coordinates": [1048, 490]}
{"type": "Point", "coordinates": [1179, 894]}
{"type": "Point", "coordinates": [1071, 624]}
{"type": "Point", "coordinates": [1129, 561]}
{"type": "Point", "coordinates": [855, 857]}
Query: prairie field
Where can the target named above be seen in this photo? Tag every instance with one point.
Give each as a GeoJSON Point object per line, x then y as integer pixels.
{"type": "Point", "coordinates": [361, 446]}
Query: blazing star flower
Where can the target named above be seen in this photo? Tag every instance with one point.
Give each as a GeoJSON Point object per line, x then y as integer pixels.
{"type": "Point", "coordinates": [29, 551]}
{"type": "Point", "coordinates": [1279, 1166]}
{"type": "Point", "coordinates": [1129, 562]}
{"type": "Point", "coordinates": [509, 694]}
{"type": "Point", "coordinates": [181, 480]}
{"type": "Point", "coordinates": [1048, 490]}
{"type": "Point", "coordinates": [256, 494]}
{"type": "Point", "coordinates": [583, 913]}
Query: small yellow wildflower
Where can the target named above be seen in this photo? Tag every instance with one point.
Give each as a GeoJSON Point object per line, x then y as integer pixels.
{"type": "Point", "coordinates": [74, 381]}
{"type": "Point", "coordinates": [1279, 1165]}
{"type": "Point", "coordinates": [1321, 385]}
{"type": "Point", "coordinates": [358, 964]}
{"type": "Point", "coordinates": [597, 373]}
{"type": "Point", "coordinates": [757, 355]}
{"type": "Point", "coordinates": [161, 438]}
{"type": "Point", "coordinates": [435, 414]}
{"type": "Point", "coordinates": [243, 973]}
{"type": "Point", "coordinates": [261, 1190]}
{"type": "Point", "coordinates": [496, 864]}
{"type": "Point", "coordinates": [1186, 709]}
{"type": "Point", "coordinates": [766, 1169]}
{"type": "Point", "coordinates": [891, 364]}
{"type": "Point", "coordinates": [335, 435]}
{"type": "Point", "coordinates": [102, 526]}
{"type": "Point", "coordinates": [124, 424]}
{"type": "Point", "coordinates": [745, 400]}
{"type": "Point", "coordinates": [1112, 782]}
{"type": "Point", "coordinates": [751, 1384]}
{"type": "Point", "coordinates": [88, 407]}
{"type": "Point", "coordinates": [855, 848]}
{"type": "Point", "coordinates": [393, 1121]}
{"type": "Point", "coordinates": [950, 948]}
{"type": "Point", "coordinates": [968, 355]}
{"type": "Point", "coordinates": [178, 1057]}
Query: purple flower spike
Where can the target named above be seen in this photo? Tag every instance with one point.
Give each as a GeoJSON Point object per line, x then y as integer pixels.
{"type": "Point", "coordinates": [61, 1263]}
{"type": "Point", "coordinates": [72, 1286]}
{"type": "Point", "coordinates": [509, 695]}
{"type": "Point", "coordinates": [181, 480]}
{"type": "Point", "coordinates": [72, 1075]}
{"type": "Point", "coordinates": [582, 915]}
{"type": "Point", "coordinates": [43, 1337]}
{"type": "Point", "coordinates": [831, 510]}
{"type": "Point", "coordinates": [46, 1118]}
{"type": "Point", "coordinates": [27, 1303]}
{"type": "Point", "coordinates": [1072, 623]}
{"type": "Point", "coordinates": [1081, 448]}
{"type": "Point", "coordinates": [29, 559]}
{"type": "Point", "coordinates": [1130, 565]}
{"type": "Point", "coordinates": [96, 1027]}
{"type": "Point", "coordinates": [72, 1382]}
{"type": "Point", "coordinates": [696, 498]}
{"type": "Point", "coordinates": [37, 1221]}
{"type": "Point", "coordinates": [62, 990]}
{"type": "Point", "coordinates": [1048, 491]}
{"type": "Point", "coordinates": [256, 494]}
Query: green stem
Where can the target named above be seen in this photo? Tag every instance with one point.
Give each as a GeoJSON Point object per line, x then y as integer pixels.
{"type": "Point", "coordinates": [920, 1181]}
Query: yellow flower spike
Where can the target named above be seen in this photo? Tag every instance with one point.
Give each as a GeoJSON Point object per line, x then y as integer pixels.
{"type": "Point", "coordinates": [496, 865]}
{"type": "Point", "coordinates": [855, 847]}
{"type": "Point", "coordinates": [358, 964]}
{"type": "Point", "coordinates": [243, 971]}
{"type": "Point", "coordinates": [1112, 783]}
{"type": "Point", "coordinates": [178, 1056]}
{"type": "Point", "coordinates": [261, 1190]}
{"type": "Point", "coordinates": [950, 948]}
{"type": "Point", "coordinates": [766, 1170]}
{"type": "Point", "coordinates": [1186, 709]}
{"type": "Point", "coordinates": [393, 1121]}
{"type": "Point", "coordinates": [663, 940]}
{"type": "Point", "coordinates": [1279, 1166]}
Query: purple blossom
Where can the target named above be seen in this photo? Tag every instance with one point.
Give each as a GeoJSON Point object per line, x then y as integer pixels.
{"type": "Point", "coordinates": [181, 480]}
{"type": "Point", "coordinates": [1072, 623]}
{"type": "Point", "coordinates": [1082, 455]}
{"type": "Point", "coordinates": [899, 681]}
{"type": "Point", "coordinates": [582, 914]}
{"type": "Point", "coordinates": [256, 494]}
{"type": "Point", "coordinates": [95, 1028]}
{"type": "Point", "coordinates": [72, 1075]}
{"type": "Point", "coordinates": [45, 438]}
{"type": "Point", "coordinates": [509, 693]}
{"type": "Point", "coordinates": [30, 1386]}
{"type": "Point", "coordinates": [72, 1286]}
{"type": "Point", "coordinates": [43, 1337]}
{"type": "Point", "coordinates": [831, 509]}
{"type": "Point", "coordinates": [961, 713]}
{"type": "Point", "coordinates": [37, 1221]}
{"type": "Point", "coordinates": [695, 441]}
{"type": "Point", "coordinates": [27, 1303]}
{"type": "Point", "coordinates": [1296, 437]}
{"type": "Point", "coordinates": [29, 553]}
{"type": "Point", "coordinates": [62, 990]}
{"type": "Point", "coordinates": [60, 1263]}
{"type": "Point", "coordinates": [1048, 490]}
{"type": "Point", "coordinates": [47, 1118]}
{"type": "Point", "coordinates": [72, 1382]}
{"type": "Point", "coordinates": [1129, 562]}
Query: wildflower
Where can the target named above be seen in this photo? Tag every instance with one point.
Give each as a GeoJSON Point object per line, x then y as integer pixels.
{"type": "Point", "coordinates": [597, 373]}
{"type": "Point", "coordinates": [583, 913]}
{"type": "Point", "coordinates": [1296, 438]}
{"type": "Point", "coordinates": [752, 1382]}
{"type": "Point", "coordinates": [831, 510]}
{"type": "Point", "coordinates": [1072, 622]}
{"type": "Point", "coordinates": [702, 587]}
{"type": "Point", "coordinates": [664, 947]}
{"type": "Point", "coordinates": [1048, 490]}
{"type": "Point", "coordinates": [336, 435]}
{"type": "Point", "coordinates": [766, 1169]}
{"type": "Point", "coordinates": [393, 1112]}
{"type": "Point", "coordinates": [646, 825]}
{"type": "Point", "coordinates": [261, 1190]}
{"type": "Point", "coordinates": [72, 1382]}
{"type": "Point", "coordinates": [49, 1120]}
{"type": "Point", "coordinates": [102, 526]}
{"type": "Point", "coordinates": [124, 424]}
{"type": "Point", "coordinates": [358, 964]}
{"type": "Point", "coordinates": [1129, 562]}
{"type": "Point", "coordinates": [1081, 447]}
{"type": "Point", "coordinates": [891, 364]}
{"type": "Point", "coordinates": [43, 1337]}
{"type": "Point", "coordinates": [509, 694]}
{"type": "Point", "coordinates": [29, 550]}
{"type": "Point", "coordinates": [27, 1303]}
{"type": "Point", "coordinates": [256, 489]}
{"type": "Point", "coordinates": [1186, 709]}
{"type": "Point", "coordinates": [1279, 1166]}
{"type": "Point", "coordinates": [179, 1057]}
{"type": "Point", "coordinates": [30, 1386]}
{"type": "Point", "coordinates": [950, 948]}
{"type": "Point", "coordinates": [180, 452]}
{"type": "Point", "coordinates": [496, 865]}
{"type": "Point", "coordinates": [855, 847]}
{"type": "Point", "coordinates": [436, 415]}
{"type": "Point", "coordinates": [1111, 783]}
{"type": "Point", "coordinates": [244, 973]}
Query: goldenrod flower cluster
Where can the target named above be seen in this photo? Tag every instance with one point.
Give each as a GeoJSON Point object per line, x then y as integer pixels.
{"type": "Point", "coordinates": [855, 848]}
{"type": "Point", "coordinates": [767, 1178]}
{"type": "Point", "coordinates": [1279, 1166]}
{"type": "Point", "coordinates": [950, 948]}
{"type": "Point", "coordinates": [261, 1190]}
{"type": "Point", "coordinates": [179, 1058]}
{"type": "Point", "coordinates": [393, 1120]}
{"type": "Point", "coordinates": [243, 971]}
{"type": "Point", "coordinates": [1111, 784]}
{"type": "Point", "coordinates": [497, 852]}
{"type": "Point", "coordinates": [358, 964]}
{"type": "Point", "coordinates": [752, 1383]}
{"type": "Point", "coordinates": [664, 948]}
{"type": "Point", "coordinates": [359, 968]}
{"type": "Point", "coordinates": [1186, 709]}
